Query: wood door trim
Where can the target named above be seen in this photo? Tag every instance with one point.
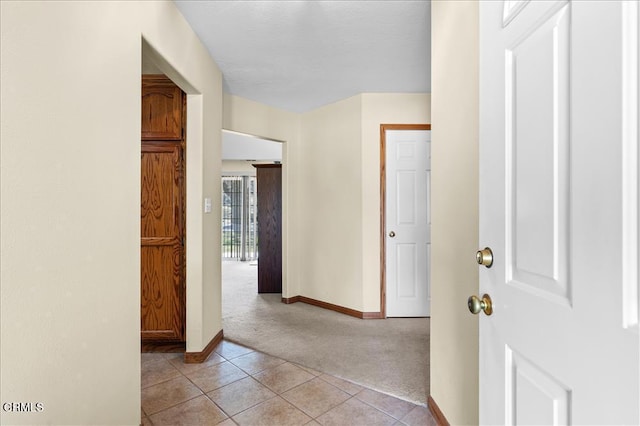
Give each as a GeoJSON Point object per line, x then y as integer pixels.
{"type": "Point", "coordinates": [332, 307]}
{"type": "Point", "coordinates": [199, 357]}
{"type": "Point", "coordinates": [290, 300]}
{"type": "Point", "coordinates": [168, 347]}
{"type": "Point", "coordinates": [267, 166]}
{"type": "Point", "coordinates": [383, 206]}
{"type": "Point", "coordinates": [437, 414]}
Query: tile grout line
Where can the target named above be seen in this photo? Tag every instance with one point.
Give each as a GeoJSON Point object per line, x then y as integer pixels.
{"type": "Point", "coordinates": [229, 360]}
{"type": "Point", "coordinates": [190, 381]}
{"type": "Point", "coordinates": [324, 412]}
{"type": "Point", "coordinates": [276, 393]}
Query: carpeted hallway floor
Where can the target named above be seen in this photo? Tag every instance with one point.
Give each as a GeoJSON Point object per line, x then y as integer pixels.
{"type": "Point", "coordinates": [391, 356]}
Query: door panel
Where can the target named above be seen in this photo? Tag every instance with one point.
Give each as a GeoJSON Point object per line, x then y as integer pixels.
{"type": "Point", "coordinates": [407, 276]}
{"type": "Point", "coordinates": [406, 196]}
{"type": "Point", "coordinates": [162, 251]}
{"type": "Point", "coordinates": [161, 195]}
{"type": "Point", "coordinates": [533, 395]}
{"type": "Point", "coordinates": [631, 160]}
{"type": "Point", "coordinates": [536, 104]}
{"type": "Point", "coordinates": [269, 216]}
{"type": "Point", "coordinates": [407, 225]}
{"type": "Point", "coordinates": [556, 349]}
{"type": "Point", "coordinates": [162, 105]}
{"type": "Point", "coordinates": [161, 297]}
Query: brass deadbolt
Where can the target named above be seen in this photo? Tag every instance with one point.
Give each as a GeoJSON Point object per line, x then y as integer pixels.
{"type": "Point", "coordinates": [485, 257]}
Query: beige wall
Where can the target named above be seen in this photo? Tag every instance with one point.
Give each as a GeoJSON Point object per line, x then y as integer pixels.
{"type": "Point", "coordinates": [332, 163]}
{"type": "Point", "coordinates": [239, 167]}
{"type": "Point", "coordinates": [331, 204]}
{"type": "Point", "coordinates": [70, 202]}
{"type": "Point", "coordinates": [454, 103]}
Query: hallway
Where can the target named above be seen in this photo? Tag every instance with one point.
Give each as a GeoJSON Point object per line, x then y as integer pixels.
{"type": "Point", "coordinates": [390, 356]}
{"type": "Point", "coordinates": [292, 365]}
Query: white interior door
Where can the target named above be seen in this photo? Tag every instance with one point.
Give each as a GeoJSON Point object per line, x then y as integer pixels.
{"type": "Point", "coordinates": [559, 209]}
{"type": "Point", "coordinates": [408, 236]}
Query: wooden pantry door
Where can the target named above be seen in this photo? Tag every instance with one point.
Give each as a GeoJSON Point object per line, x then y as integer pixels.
{"type": "Point", "coordinates": [163, 287]}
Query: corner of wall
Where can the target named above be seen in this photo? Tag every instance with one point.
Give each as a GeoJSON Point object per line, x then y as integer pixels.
{"type": "Point", "coordinates": [84, 284]}
{"type": "Point", "coordinates": [455, 108]}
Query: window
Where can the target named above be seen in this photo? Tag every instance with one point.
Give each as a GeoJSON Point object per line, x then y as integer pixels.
{"type": "Point", "coordinates": [239, 226]}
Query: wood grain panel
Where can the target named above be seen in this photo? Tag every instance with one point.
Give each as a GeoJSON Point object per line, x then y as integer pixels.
{"type": "Point", "coordinates": [162, 218]}
{"type": "Point", "coordinates": [162, 181]}
{"type": "Point", "coordinates": [162, 293]}
{"type": "Point", "coordinates": [161, 109]}
{"type": "Point", "coordinates": [269, 180]}
{"type": "Point", "coordinates": [162, 244]}
{"type": "Point", "coordinates": [162, 346]}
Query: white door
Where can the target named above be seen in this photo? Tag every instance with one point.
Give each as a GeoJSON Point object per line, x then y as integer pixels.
{"type": "Point", "coordinates": [408, 239]}
{"type": "Point", "coordinates": [559, 209]}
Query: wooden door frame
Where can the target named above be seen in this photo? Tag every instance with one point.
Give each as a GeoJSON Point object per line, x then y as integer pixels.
{"type": "Point", "coordinates": [383, 206]}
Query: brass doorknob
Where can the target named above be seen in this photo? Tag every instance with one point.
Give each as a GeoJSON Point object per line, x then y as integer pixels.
{"type": "Point", "coordinates": [392, 234]}
{"type": "Point", "coordinates": [476, 304]}
{"type": "Point", "coordinates": [485, 257]}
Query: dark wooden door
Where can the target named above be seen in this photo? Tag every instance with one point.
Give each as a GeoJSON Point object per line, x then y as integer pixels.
{"type": "Point", "coordinates": [269, 181]}
{"type": "Point", "coordinates": [162, 214]}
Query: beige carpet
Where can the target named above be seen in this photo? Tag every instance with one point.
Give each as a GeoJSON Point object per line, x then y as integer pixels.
{"type": "Point", "coordinates": [391, 356]}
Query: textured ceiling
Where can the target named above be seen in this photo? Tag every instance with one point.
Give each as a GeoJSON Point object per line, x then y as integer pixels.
{"type": "Point", "coordinates": [300, 55]}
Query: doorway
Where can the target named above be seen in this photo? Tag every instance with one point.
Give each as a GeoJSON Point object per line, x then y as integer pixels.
{"type": "Point", "coordinates": [405, 222]}
{"type": "Point", "coordinates": [241, 152]}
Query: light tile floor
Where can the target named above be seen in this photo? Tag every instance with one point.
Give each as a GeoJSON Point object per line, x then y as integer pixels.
{"type": "Point", "coordinates": [237, 385]}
